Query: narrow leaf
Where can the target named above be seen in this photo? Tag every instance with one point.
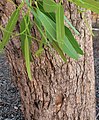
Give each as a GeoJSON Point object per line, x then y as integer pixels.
{"type": "Point", "coordinates": [23, 35]}
{"type": "Point", "coordinates": [49, 25]}
{"type": "Point", "coordinates": [25, 28]}
{"type": "Point", "coordinates": [10, 27]}
{"type": "Point", "coordinates": [27, 57]}
{"type": "Point", "coordinates": [65, 18]}
{"type": "Point", "coordinates": [60, 31]}
{"type": "Point", "coordinates": [49, 14]}
{"type": "Point", "coordinates": [49, 5]}
{"type": "Point", "coordinates": [88, 4]}
{"type": "Point", "coordinates": [39, 51]}
{"type": "Point", "coordinates": [73, 41]}
{"type": "Point", "coordinates": [58, 49]}
{"type": "Point", "coordinates": [69, 49]}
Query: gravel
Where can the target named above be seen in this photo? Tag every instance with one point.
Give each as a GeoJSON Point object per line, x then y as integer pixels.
{"type": "Point", "coordinates": [10, 103]}
{"type": "Point", "coordinates": [96, 63]}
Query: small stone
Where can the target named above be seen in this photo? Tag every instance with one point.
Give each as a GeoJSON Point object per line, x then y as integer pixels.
{"type": "Point", "coordinates": [16, 108]}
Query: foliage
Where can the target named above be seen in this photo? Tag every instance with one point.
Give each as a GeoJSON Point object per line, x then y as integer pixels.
{"type": "Point", "coordinates": [89, 4]}
{"type": "Point", "coordinates": [49, 19]}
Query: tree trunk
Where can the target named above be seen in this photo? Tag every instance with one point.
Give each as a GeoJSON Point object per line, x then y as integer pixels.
{"type": "Point", "coordinates": [58, 91]}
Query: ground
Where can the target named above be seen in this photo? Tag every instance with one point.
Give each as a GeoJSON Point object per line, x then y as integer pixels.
{"type": "Point", "coordinates": [96, 63]}
{"type": "Point", "coordinates": [10, 102]}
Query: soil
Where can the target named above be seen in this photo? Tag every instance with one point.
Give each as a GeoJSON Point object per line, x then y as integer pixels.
{"type": "Point", "coordinates": [96, 63]}
{"type": "Point", "coordinates": [10, 103]}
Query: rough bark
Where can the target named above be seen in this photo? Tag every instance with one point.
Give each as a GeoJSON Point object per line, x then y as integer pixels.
{"type": "Point", "coordinates": [58, 91]}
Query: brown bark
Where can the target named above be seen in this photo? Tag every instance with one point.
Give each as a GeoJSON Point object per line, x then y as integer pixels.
{"type": "Point", "coordinates": [58, 91]}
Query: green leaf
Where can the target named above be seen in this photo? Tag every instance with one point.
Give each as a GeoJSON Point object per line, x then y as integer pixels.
{"type": "Point", "coordinates": [27, 2]}
{"type": "Point", "coordinates": [58, 49]}
{"type": "Point", "coordinates": [23, 35]}
{"type": "Point", "coordinates": [65, 18]}
{"type": "Point", "coordinates": [39, 26]}
{"type": "Point", "coordinates": [50, 28]}
{"type": "Point", "coordinates": [73, 41]}
{"type": "Point", "coordinates": [25, 30]}
{"type": "Point", "coordinates": [9, 27]}
{"type": "Point", "coordinates": [40, 18]}
{"type": "Point", "coordinates": [49, 5]}
{"type": "Point", "coordinates": [88, 4]}
{"type": "Point", "coordinates": [69, 49]}
{"type": "Point", "coordinates": [26, 42]}
{"type": "Point", "coordinates": [52, 16]}
{"type": "Point", "coordinates": [60, 31]}
{"type": "Point", "coordinates": [49, 25]}
{"type": "Point", "coordinates": [49, 14]}
{"type": "Point", "coordinates": [27, 57]}
{"type": "Point", "coordinates": [39, 51]}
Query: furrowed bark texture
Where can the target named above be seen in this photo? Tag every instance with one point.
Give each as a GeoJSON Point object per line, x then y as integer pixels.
{"type": "Point", "coordinates": [58, 91]}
